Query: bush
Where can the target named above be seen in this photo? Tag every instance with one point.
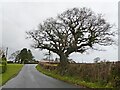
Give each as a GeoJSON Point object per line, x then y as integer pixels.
{"type": "Point", "coordinates": [115, 73]}
{"type": "Point", "coordinates": [116, 82]}
{"type": "Point", "coordinates": [3, 65]}
{"type": "Point", "coordinates": [2, 68]}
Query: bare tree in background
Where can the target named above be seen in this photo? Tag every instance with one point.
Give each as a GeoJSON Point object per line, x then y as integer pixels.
{"type": "Point", "coordinates": [75, 30]}
{"type": "Point", "coordinates": [2, 51]}
{"type": "Point", "coordinates": [15, 56]}
{"type": "Point", "coordinates": [96, 60]}
{"type": "Point", "coordinates": [48, 56]}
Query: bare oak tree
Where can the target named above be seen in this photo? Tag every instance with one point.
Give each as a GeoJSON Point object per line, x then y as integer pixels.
{"type": "Point", "coordinates": [75, 30]}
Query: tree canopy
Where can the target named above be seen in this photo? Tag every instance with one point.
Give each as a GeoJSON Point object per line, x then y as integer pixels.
{"type": "Point", "coordinates": [30, 55]}
{"type": "Point", "coordinates": [75, 30]}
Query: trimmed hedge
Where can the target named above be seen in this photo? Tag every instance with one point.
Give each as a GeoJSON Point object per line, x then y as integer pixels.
{"type": "Point", "coordinates": [115, 75]}
{"type": "Point", "coordinates": [105, 74]}
{"type": "Point", "coordinates": [10, 62]}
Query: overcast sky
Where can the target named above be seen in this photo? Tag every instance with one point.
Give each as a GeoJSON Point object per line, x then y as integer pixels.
{"type": "Point", "coordinates": [17, 17]}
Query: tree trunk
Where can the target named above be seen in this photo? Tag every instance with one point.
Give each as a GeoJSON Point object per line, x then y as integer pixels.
{"type": "Point", "coordinates": [63, 59]}
{"type": "Point", "coordinates": [63, 64]}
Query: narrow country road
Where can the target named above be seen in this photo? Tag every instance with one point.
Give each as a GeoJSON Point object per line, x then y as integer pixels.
{"type": "Point", "coordinates": [29, 77]}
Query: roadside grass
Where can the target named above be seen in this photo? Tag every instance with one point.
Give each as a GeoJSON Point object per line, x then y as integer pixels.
{"type": "Point", "coordinates": [70, 79]}
{"type": "Point", "coordinates": [12, 71]}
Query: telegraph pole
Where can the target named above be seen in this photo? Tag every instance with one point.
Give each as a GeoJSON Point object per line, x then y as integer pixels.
{"type": "Point", "coordinates": [49, 56]}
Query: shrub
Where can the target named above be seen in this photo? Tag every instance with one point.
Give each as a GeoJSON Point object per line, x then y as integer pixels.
{"type": "Point", "coordinates": [115, 73]}
{"type": "Point", "coordinates": [2, 68]}
{"type": "Point", "coordinates": [3, 65]}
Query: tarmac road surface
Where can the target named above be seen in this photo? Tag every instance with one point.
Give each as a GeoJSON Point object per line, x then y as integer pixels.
{"type": "Point", "coordinates": [29, 77]}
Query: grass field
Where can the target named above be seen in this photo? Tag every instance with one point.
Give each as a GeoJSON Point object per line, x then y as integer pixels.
{"type": "Point", "coordinates": [12, 71]}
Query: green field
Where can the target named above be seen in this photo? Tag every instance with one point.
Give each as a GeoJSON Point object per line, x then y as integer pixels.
{"type": "Point", "coordinates": [12, 71]}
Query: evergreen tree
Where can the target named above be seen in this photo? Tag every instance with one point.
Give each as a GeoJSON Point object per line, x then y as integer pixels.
{"type": "Point", "coordinates": [30, 56]}
{"type": "Point", "coordinates": [23, 55]}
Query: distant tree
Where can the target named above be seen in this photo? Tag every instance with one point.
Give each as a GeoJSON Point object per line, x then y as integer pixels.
{"type": "Point", "coordinates": [30, 56]}
{"type": "Point", "coordinates": [71, 61]}
{"type": "Point", "coordinates": [23, 55]}
{"type": "Point", "coordinates": [75, 30]}
{"type": "Point", "coordinates": [15, 56]}
{"type": "Point", "coordinates": [97, 59]}
{"type": "Point", "coordinates": [1, 52]}
{"type": "Point", "coordinates": [17, 59]}
{"type": "Point", "coordinates": [48, 55]}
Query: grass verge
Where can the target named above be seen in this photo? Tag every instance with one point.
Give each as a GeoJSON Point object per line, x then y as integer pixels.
{"type": "Point", "coordinates": [12, 71]}
{"type": "Point", "coordinates": [69, 79]}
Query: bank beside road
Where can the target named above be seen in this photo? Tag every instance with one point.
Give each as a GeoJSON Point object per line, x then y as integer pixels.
{"type": "Point", "coordinates": [12, 71]}
{"type": "Point", "coordinates": [72, 80]}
